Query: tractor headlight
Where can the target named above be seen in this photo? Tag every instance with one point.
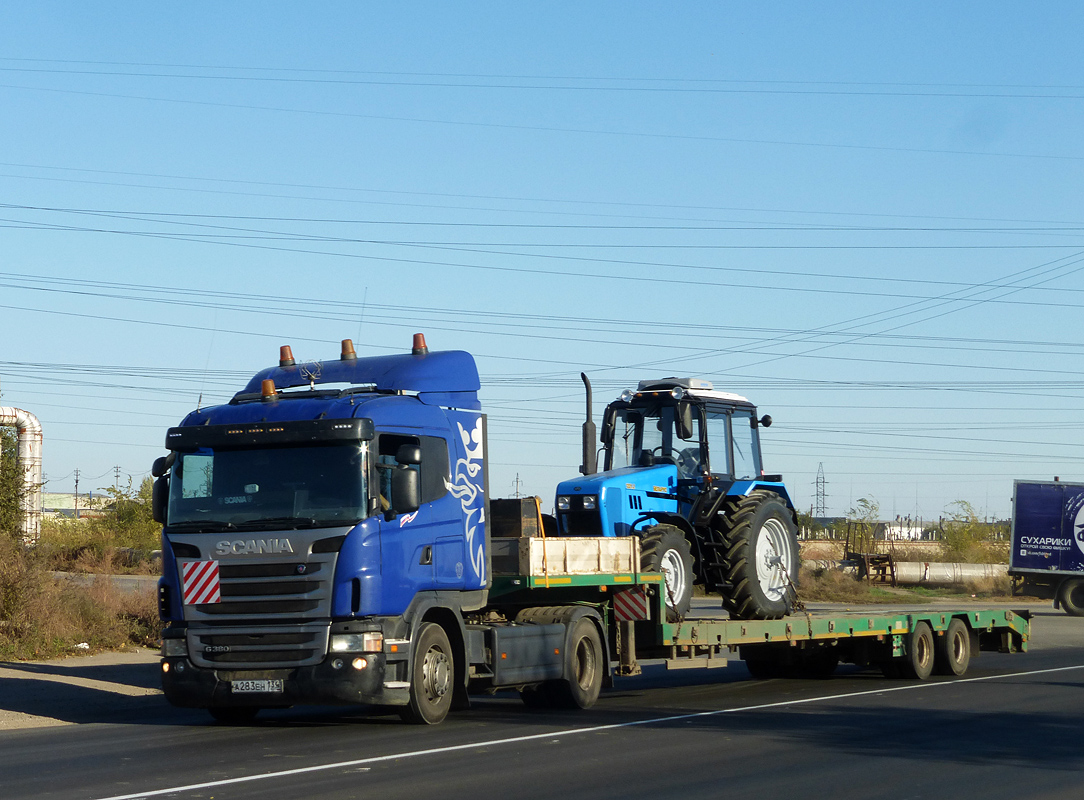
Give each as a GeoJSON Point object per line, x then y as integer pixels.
{"type": "Point", "coordinates": [590, 502]}
{"type": "Point", "coordinates": [562, 504]}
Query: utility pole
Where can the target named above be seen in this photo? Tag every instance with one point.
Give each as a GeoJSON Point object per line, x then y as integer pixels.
{"type": "Point", "coordinates": [77, 494]}
{"type": "Point", "coordinates": [516, 484]}
{"type": "Point", "coordinates": [116, 479]}
{"type": "Point", "coordinates": [821, 507]}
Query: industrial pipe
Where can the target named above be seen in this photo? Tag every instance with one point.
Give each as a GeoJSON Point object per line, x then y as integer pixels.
{"type": "Point", "coordinates": [30, 440]}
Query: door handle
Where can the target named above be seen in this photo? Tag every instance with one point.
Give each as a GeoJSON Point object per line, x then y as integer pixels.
{"type": "Point", "coordinates": [427, 555]}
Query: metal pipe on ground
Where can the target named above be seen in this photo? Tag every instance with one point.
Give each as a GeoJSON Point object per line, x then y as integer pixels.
{"type": "Point", "coordinates": [938, 572]}
{"type": "Point", "coordinates": [30, 443]}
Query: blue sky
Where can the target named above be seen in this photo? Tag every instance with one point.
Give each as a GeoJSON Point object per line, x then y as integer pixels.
{"type": "Point", "coordinates": [865, 219]}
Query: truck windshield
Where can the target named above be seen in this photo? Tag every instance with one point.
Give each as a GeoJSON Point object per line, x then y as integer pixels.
{"type": "Point", "coordinates": [311, 486]}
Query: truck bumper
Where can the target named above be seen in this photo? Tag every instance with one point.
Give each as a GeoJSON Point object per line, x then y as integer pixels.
{"type": "Point", "coordinates": [189, 686]}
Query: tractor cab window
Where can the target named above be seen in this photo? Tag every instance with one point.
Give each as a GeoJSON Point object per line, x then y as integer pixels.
{"type": "Point", "coordinates": [746, 452]}
{"type": "Point", "coordinates": [647, 436]}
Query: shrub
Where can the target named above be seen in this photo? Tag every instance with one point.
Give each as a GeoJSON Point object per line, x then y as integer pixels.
{"type": "Point", "coordinates": [42, 616]}
{"type": "Point", "coordinates": [122, 540]}
{"type": "Point", "coordinates": [967, 539]}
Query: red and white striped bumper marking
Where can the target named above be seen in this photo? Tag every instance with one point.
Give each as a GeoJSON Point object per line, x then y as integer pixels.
{"type": "Point", "coordinates": [630, 604]}
{"type": "Point", "coordinates": [200, 582]}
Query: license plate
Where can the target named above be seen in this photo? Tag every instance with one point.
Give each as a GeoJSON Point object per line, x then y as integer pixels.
{"type": "Point", "coordinates": [273, 686]}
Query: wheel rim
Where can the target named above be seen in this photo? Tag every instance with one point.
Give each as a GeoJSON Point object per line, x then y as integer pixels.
{"type": "Point", "coordinates": [436, 674]}
{"type": "Point", "coordinates": [959, 646]}
{"type": "Point", "coordinates": [923, 651]}
{"type": "Point", "coordinates": [586, 664]}
{"type": "Point", "coordinates": [673, 572]}
{"type": "Point", "coordinates": [773, 559]}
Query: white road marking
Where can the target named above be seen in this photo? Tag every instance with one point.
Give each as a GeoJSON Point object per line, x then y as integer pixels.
{"type": "Point", "coordinates": [571, 732]}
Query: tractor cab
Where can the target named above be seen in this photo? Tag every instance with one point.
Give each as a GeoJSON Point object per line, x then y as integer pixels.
{"type": "Point", "coordinates": [710, 437]}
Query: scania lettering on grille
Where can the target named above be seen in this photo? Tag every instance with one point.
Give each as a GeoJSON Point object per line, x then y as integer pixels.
{"type": "Point", "coordinates": [242, 547]}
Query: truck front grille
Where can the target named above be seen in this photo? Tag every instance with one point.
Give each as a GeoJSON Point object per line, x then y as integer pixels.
{"type": "Point", "coordinates": [295, 646]}
{"type": "Point", "coordinates": [274, 609]}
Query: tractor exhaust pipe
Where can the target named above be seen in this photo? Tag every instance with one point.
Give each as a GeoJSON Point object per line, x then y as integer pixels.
{"type": "Point", "coordinates": [590, 462]}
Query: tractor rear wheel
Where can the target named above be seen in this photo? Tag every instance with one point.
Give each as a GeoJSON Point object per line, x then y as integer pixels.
{"type": "Point", "coordinates": [664, 548]}
{"type": "Point", "coordinates": [760, 556]}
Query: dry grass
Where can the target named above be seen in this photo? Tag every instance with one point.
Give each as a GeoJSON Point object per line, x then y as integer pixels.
{"type": "Point", "coordinates": [42, 616]}
{"type": "Point", "coordinates": [98, 546]}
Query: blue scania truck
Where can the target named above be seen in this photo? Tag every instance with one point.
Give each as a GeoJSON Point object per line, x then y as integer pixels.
{"type": "Point", "coordinates": [329, 538]}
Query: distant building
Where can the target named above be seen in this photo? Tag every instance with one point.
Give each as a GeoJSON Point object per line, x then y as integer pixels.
{"type": "Point", "coordinates": [63, 504]}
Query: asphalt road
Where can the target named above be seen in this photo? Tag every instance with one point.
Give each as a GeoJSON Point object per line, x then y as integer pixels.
{"type": "Point", "coordinates": [1011, 728]}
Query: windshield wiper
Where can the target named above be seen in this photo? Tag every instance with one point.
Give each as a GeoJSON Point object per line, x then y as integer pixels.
{"type": "Point", "coordinates": [290, 522]}
{"type": "Point", "coordinates": [201, 525]}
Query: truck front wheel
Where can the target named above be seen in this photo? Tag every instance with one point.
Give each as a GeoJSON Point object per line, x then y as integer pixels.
{"type": "Point", "coordinates": [431, 679]}
{"type": "Point", "coordinates": [664, 548]}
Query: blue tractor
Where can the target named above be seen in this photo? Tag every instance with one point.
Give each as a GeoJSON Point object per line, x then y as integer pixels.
{"type": "Point", "coordinates": [682, 470]}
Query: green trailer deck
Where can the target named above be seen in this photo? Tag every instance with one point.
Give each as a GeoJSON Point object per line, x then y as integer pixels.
{"type": "Point", "coordinates": [911, 643]}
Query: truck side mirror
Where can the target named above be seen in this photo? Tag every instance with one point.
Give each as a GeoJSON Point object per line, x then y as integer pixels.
{"type": "Point", "coordinates": [162, 464]}
{"type": "Point", "coordinates": [684, 421]}
{"type": "Point", "coordinates": [159, 498]}
{"type": "Point", "coordinates": [405, 489]}
{"type": "Point", "coordinates": [408, 454]}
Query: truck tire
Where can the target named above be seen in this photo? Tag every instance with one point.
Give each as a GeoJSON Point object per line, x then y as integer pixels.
{"type": "Point", "coordinates": [1071, 597]}
{"type": "Point", "coordinates": [664, 548]}
{"type": "Point", "coordinates": [584, 667]}
{"type": "Point", "coordinates": [952, 653]}
{"type": "Point", "coordinates": [432, 677]}
{"type": "Point", "coordinates": [760, 556]}
{"type": "Point", "coordinates": [918, 662]}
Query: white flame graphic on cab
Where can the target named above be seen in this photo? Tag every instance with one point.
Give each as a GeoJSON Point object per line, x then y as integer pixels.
{"type": "Point", "coordinates": [467, 488]}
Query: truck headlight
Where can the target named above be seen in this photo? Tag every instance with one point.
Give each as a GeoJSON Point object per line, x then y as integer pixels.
{"type": "Point", "coordinates": [590, 502]}
{"type": "Point", "coordinates": [174, 647]}
{"type": "Point", "coordinates": [562, 504]}
{"type": "Point", "coordinates": [367, 642]}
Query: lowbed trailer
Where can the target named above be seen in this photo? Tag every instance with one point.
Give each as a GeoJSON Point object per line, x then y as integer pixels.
{"type": "Point", "coordinates": [909, 644]}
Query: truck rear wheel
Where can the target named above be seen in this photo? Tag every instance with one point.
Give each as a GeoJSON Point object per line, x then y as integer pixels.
{"type": "Point", "coordinates": [1071, 597]}
{"type": "Point", "coordinates": [760, 556]}
{"type": "Point", "coordinates": [432, 677]}
{"type": "Point", "coordinates": [584, 666]}
{"type": "Point", "coordinates": [952, 653]}
{"type": "Point", "coordinates": [664, 548]}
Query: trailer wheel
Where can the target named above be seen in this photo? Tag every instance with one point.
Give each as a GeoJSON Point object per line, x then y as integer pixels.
{"type": "Point", "coordinates": [234, 715]}
{"type": "Point", "coordinates": [431, 680]}
{"type": "Point", "coordinates": [584, 666]}
{"type": "Point", "coordinates": [918, 663]}
{"type": "Point", "coordinates": [952, 653]}
{"type": "Point", "coordinates": [664, 548]}
{"type": "Point", "coordinates": [1071, 597]}
{"type": "Point", "coordinates": [760, 556]}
